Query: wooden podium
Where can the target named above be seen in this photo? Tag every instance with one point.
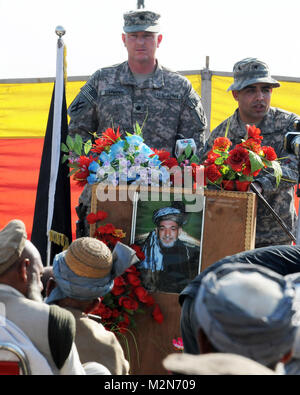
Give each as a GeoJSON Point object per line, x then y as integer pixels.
{"type": "Point", "coordinates": [229, 227]}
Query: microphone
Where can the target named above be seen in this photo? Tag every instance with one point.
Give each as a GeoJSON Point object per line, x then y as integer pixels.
{"type": "Point", "coordinates": [297, 125]}
{"type": "Point", "coordinates": [181, 145]}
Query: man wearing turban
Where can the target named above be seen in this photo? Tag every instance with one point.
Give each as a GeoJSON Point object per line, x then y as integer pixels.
{"type": "Point", "coordinates": [170, 263]}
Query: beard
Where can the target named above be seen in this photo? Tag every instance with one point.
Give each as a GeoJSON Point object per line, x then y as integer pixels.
{"type": "Point", "coordinates": [34, 290]}
{"type": "Point", "coordinates": [168, 245]}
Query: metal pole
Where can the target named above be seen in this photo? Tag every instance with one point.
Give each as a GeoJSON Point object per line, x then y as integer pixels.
{"type": "Point", "coordinates": [206, 75]}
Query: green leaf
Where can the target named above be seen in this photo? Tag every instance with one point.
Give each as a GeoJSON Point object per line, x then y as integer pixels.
{"type": "Point", "coordinates": [181, 158]}
{"type": "Point", "coordinates": [188, 151]}
{"type": "Point", "coordinates": [75, 165]}
{"type": "Point", "coordinates": [78, 147]}
{"type": "Point", "coordinates": [219, 161]}
{"type": "Point", "coordinates": [137, 129]}
{"type": "Point", "coordinates": [70, 143]}
{"type": "Point", "coordinates": [256, 161]}
{"type": "Point", "coordinates": [78, 139]}
{"type": "Point", "coordinates": [64, 148]}
{"type": "Point", "coordinates": [73, 172]}
{"type": "Point", "coordinates": [277, 171]}
{"type": "Point", "coordinates": [195, 159]}
{"type": "Point", "coordinates": [87, 147]}
{"type": "Point", "coordinates": [64, 158]}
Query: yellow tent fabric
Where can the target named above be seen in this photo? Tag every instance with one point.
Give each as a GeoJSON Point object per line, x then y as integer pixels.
{"type": "Point", "coordinates": [24, 107]}
{"type": "Point", "coordinates": [223, 104]}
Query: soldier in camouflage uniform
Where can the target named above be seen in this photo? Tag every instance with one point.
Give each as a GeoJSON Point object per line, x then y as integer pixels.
{"type": "Point", "coordinates": [252, 88]}
{"type": "Point", "coordinates": [139, 90]}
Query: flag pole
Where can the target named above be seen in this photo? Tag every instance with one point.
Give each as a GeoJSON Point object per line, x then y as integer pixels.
{"type": "Point", "coordinates": [56, 132]}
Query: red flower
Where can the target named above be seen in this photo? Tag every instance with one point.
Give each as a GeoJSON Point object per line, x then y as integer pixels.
{"type": "Point", "coordinates": [119, 281]}
{"type": "Point", "coordinates": [115, 313]}
{"type": "Point", "coordinates": [211, 157]}
{"type": "Point", "coordinates": [237, 158]}
{"type": "Point", "coordinates": [142, 294]}
{"type": "Point", "coordinates": [133, 279]}
{"type": "Point", "coordinates": [118, 291]}
{"type": "Point", "coordinates": [133, 269]}
{"type": "Point", "coordinates": [254, 133]}
{"type": "Point", "coordinates": [108, 138]}
{"type": "Point", "coordinates": [149, 300]}
{"type": "Point", "coordinates": [162, 154]}
{"type": "Point", "coordinates": [138, 251]}
{"type": "Point", "coordinates": [128, 303]}
{"type": "Point", "coordinates": [106, 229]}
{"type": "Point", "coordinates": [212, 173]}
{"type": "Point", "coordinates": [91, 218]}
{"type": "Point", "coordinates": [170, 162]}
{"type": "Point", "coordinates": [252, 145]}
{"type": "Point", "coordinates": [103, 311]}
{"type": "Point", "coordinates": [157, 314]}
{"type": "Point", "coordinates": [269, 153]}
{"type": "Point", "coordinates": [81, 175]}
{"type": "Point", "coordinates": [222, 144]}
{"type": "Point", "coordinates": [123, 325]}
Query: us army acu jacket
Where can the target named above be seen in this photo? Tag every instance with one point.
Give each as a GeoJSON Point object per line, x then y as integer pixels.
{"type": "Point", "coordinates": [166, 105]}
{"type": "Point", "coordinates": [274, 126]}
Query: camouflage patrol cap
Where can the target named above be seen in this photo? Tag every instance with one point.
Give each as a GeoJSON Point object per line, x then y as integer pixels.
{"type": "Point", "coordinates": [141, 21]}
{"type": "Point", "coordinates": [251, 71]}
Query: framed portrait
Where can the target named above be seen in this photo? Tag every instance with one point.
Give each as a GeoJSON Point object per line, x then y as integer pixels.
{"type": "Point", "coordinates": [169, 230]}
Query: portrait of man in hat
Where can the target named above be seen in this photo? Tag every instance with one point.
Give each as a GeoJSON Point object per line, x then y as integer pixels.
{"type": "Point", "coordinates": [252, 90]}
{"type": "Point", "coordinates": [172, 248]}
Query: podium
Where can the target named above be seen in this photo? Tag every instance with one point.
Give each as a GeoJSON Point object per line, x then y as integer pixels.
{"type": "Point", "coordinates": [229, 226]}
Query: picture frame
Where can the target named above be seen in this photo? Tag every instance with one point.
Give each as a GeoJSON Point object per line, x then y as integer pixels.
{"type": "Point", "coordinates": [169, 228]}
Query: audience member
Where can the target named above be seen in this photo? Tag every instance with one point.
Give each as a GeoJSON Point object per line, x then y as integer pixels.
{"type": "Point", "coordinates": [83, 274]}
{"type": "Point", "coordinates": [245, 309]}
{"type": "Point", "coordinates": [283, 260]}
{"type": "Point", "coordinates": [50, 328]}
{"type": "Point", "coordinates": [214, 364]}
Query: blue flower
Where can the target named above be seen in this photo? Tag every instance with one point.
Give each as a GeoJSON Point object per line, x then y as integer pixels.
{"type": "Point", "coordinates": [93, 167]}
{"type": "Point", "coordinates": [105, 158]}
{"type": "Point", "coordinates": [116, 149]}
{"type": "Point", "coordinates": [154, 162]}
{"type": "Point", "coordinates": [145, 150]}
{"type": "Point", "coordinates": [134, 139]}
{"type": "Point", "coordinates": [92, 179]}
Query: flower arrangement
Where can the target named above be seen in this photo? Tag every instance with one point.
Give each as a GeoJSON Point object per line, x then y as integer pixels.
{"type": "Point", "coordinates": [128, 297]}
{"type": "Point", "coordinates": [178, 344]}
{"type": "Point", "coordinates": [229, 168]}
{"type": "Point", "coordinates": [117, 159]}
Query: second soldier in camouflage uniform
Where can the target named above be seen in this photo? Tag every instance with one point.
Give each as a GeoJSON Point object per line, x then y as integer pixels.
{"type": "Point", "coordinates": [139, 90]}
{"type": "Point", "coordinates": [252, 89]}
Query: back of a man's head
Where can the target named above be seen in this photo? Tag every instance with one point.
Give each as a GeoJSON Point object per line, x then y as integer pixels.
{"type": "Point", "coordinates": [247, 310]}
{"type": "Point", "coordinates": [20, 261]}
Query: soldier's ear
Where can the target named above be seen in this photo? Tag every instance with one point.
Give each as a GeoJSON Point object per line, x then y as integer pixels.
{"type": "Point", "coordinates": [159, 40]}
{"type": "Point", "coordinates": [124, 39]}
{"type": "Point", "coordinates": [235, 95]}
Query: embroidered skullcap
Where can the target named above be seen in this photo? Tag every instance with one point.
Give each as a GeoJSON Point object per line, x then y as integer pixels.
{"type": "Point", "coordinates": [12, 242]}
{"type": "Point", "coordinates": [247, 310]}
{"type": "Point", "coordinates": [89, 257]}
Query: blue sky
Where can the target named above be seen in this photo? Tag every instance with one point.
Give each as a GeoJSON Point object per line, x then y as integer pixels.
{"type": "Point", "coordinates": [226, 31]}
